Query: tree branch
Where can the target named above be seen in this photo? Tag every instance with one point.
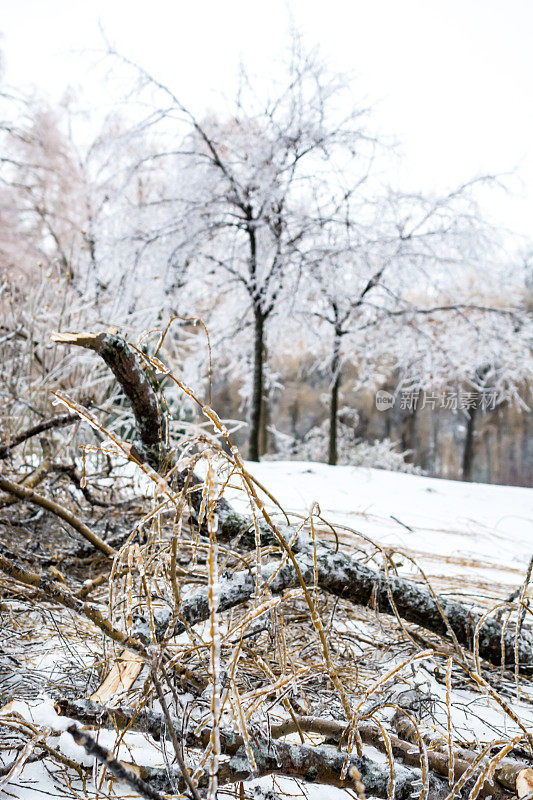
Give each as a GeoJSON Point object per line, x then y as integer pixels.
{"type": "Point", "coordinates": [129, 372]}
{"type": "Point", "coordinates": [60, 421]}
{"type": "Point", "coordinates": [30, 496]}
{"type": "Point", "coordinates": [115, 767]}
{"type": "Point", "coordinates": [337, 573]}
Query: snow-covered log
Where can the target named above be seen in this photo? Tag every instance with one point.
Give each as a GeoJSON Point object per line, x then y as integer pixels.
{"type": "Point", "coordinates": [402, 749]}
{"type": "Point", "coordinates": [321, 764]}
{"type": "Point", "coordinates": [345, 577]}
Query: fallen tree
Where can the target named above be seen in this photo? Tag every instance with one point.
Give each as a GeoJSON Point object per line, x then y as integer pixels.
{"type": "Point", "coordinates": [323, 764]}
{"type": "Point", "coordinates": [252, 674]}
{"type": "Point", "coordinates": [336, 573]}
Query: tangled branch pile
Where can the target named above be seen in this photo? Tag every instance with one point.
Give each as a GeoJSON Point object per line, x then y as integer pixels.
{"type": "Point", "coordinates": [202, 651]}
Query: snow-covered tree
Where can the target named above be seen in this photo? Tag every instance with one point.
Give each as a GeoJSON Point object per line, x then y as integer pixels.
{"type": "Point", "coordinates": [239, 212]}
{"type": "Point", "coordinates": [416, 285]}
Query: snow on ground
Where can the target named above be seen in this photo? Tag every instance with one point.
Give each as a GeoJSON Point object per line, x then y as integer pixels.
{"type": "Point", "coordinates": [478, 534]}
{"type": "Point", "coordinates": [469, 538]}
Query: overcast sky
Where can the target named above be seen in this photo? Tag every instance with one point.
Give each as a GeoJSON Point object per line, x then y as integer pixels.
{"type": "Point", "coordinates": [452, 80]}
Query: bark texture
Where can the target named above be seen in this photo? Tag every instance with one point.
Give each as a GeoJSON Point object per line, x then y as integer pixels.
{"type": "Point", "coordinates": [126, 366]}
{"type": "Point", "coordinates": [343, 576]}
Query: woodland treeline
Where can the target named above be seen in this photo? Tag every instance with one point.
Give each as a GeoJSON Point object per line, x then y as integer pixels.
{"type": "Point", "coordinates": [296, 276]}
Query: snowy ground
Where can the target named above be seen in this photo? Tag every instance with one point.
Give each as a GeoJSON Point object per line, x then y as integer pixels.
{"type": "Point", "coordinates": [471, 539]}
{"type": "Point", "coordinates": [477, 534]}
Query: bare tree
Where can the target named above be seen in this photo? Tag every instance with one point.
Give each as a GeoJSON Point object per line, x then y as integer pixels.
{"type": "Point", "coordinates": [405, 289]}
{"type": "Point", "coordinates": [241, 210]}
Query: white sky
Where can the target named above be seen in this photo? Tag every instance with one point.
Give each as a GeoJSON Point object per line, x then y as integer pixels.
{"type": "Point", "coordinates": [453, 79]}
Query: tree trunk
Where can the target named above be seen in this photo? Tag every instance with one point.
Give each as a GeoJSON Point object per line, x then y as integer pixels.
{"type": "Point", "coordinates": [468, 452]}
{"type": "Point", "coordinates": [334, 400]}
{"type": "Point", "coordinates": [257, 388]}
{"type": "Point", "coordinates": [265, 418]}
{"type": "Point", "coordinates": [408, 437]}
{"type": "Point", "coordinates": [469, 449]}
{"type": "Point", "coordinates": [435, 466]}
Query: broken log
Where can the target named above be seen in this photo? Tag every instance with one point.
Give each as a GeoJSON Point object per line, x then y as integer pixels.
{"type": "Point", "coordinates": [128, 369]}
